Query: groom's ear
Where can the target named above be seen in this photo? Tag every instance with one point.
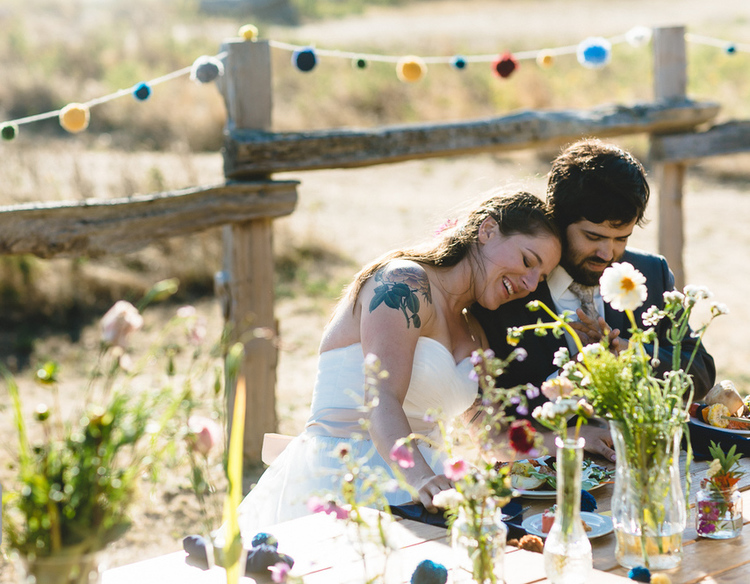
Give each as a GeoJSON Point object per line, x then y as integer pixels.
{"type": "Point", "coordinates": [487, 230]}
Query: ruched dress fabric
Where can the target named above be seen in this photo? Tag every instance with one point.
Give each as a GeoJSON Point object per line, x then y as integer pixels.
{"type": "Point", "coordinates": [309, 466]}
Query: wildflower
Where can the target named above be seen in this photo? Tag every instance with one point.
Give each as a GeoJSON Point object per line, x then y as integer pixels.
{"type": "Point", "coordinates": [447, 225]}
{"type": "Point", "coordinates": [455, 468]}
{"type": "Point", "coordinates": [119, 322]}
{"type": "Point", "coordinates": [652, 316]}
{"type": "Point", "coordinates": [713, 468]}
{"type": "Point", "coordinates": [557, 387]}
{"type": "Point", "coordinates": [514, 336]}
{"type": "Point", "coordinates": [520, 354]}
{"type": "Point", "coordinates": [623, 287]}
{"type": "Point", "coordinates": [522, 436]}
{"type": "Point", "coordinates": [695, 293]}
{"type": "Point", "coordinates": [402, 454]}
{"type": "Point", "coordinates": [448, 499]}
{"type": "Point", "coordinates": [532, 392]}
{"type": "Point", "coordinates": [562, 356]}
{"type": "Point", "coordinates": [203, 434]}
{"type": "Point", "coordinates": [279, 572]}
{"type": "Point", "coordinates": [342, 450]}
{"type": "Point", "coordinates": [317, 505]}
{"type": "Point", "coordinates": [718, 308]}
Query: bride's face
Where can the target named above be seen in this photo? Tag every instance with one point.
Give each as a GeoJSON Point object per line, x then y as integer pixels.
{"type": "Point", "coordinates": [512, 266]}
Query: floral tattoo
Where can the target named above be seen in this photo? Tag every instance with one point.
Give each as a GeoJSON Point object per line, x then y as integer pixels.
{"type": "Point", "coordinates": [398, 288]}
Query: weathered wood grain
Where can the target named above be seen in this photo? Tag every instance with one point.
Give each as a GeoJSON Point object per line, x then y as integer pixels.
{"type": "Point", "coordinates": [728, 138]}
{"type": "Point", "coordinates": [114, 226]}
{"type": "Point", "coordinates": [252, 152]}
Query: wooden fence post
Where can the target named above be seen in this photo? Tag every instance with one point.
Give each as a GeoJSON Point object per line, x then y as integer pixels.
{"type": "Point", "coordinates": [248, 250]}
{"type": "Point", "coordinates": [670, 83]}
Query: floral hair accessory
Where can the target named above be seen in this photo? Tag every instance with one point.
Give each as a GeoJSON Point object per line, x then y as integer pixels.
{"type": "Point", "coordinates": [446, 225]}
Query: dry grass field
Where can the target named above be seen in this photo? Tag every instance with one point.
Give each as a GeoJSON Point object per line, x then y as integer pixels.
{"type": "Point", "coordinates": [354, 215]}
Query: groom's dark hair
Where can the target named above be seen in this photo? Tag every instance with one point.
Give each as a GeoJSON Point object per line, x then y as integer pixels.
{"type": "Point", "coordinates": [597, 182]}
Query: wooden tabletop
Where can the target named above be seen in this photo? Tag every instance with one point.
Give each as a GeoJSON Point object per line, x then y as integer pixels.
{"type": "Point", "coordinates": [324, 551]}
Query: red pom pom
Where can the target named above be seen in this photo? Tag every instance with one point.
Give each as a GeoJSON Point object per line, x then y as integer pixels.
{"type": "Point", "coordinates": [504, 65]}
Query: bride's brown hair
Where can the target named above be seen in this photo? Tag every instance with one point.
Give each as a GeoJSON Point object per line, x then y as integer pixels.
{"type": "Point", "coordinates": [516, 213]}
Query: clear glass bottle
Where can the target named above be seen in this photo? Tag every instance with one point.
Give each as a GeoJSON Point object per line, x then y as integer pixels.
{"type": "Point", "coordinates": [718, 511]}
{"type": "Point", "coordinates": [567, 550]}
{"type": "Point", "coordinates": [478, 540]}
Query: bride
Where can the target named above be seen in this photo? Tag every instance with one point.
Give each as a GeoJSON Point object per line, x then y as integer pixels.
{"type": "Point", "coordinates": [409, 310]}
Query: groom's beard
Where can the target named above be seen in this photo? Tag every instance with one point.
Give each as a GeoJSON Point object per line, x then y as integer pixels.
{"type": "Point", "coordinates": [577, 267]}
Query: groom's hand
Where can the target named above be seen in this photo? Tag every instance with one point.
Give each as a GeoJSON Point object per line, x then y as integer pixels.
{"type": "Point", "coordinates": [598, 441]}
{"type": "Point", "coordinates": [591, 330]}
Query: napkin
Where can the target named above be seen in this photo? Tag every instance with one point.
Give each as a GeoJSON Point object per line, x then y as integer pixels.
{"type": "Point", "coordinates": [259, 557]}
{"type": "Point", "coordinates": [701, 438]}
{"type": "Point", "coordinates": [417, 512]}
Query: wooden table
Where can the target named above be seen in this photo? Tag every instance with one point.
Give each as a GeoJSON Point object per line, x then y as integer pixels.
{"type": "Point", "coordinates": [324, 553]}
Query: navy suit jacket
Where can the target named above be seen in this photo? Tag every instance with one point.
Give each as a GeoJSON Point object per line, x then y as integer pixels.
{"type": "Point", "coordinates": [538, 366]}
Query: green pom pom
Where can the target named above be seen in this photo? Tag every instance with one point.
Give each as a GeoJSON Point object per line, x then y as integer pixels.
{"type": "Point", "coordinates": [9, 132]}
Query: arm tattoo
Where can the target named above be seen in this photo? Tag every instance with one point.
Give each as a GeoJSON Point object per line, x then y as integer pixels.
{"type": "Point", "coordinates": [398, 288]}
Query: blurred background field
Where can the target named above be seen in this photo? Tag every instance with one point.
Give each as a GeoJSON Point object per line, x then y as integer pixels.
{"type": "Point", "coordinates": [54, 52]}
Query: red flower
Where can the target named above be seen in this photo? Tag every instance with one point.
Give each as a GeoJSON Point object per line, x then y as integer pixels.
{"type": "Point", "coordinates": [522, 436]}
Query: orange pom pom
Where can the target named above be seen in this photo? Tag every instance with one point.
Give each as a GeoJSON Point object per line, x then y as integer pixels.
{"type": "Point", "coordinates": [74, 117]}
{"type": "Point", "coordinates": [411, 69]}
{"type": "Point", "coordinates": [545, 60]}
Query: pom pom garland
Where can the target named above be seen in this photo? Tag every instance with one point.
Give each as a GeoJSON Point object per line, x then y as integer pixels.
{"type": "Point", "coordinates": [594, 52]}
{"type": "Point", "coordinates": [206, 69]}
{"type": "Point", "coordinates": [661, 579]}
{"type": "Point", "coordinates": [248, 32]}
{"type": "Point", "coordinates": [142, 91]}
{"type": "Point", "coordinates": [411, 69]}
{"type": "Point", "coordinates": [359, 63]}
{"type": "Point", "coordinates": [74, 117]}
{"type": "Point", "coordinates": [638, 36]}
{"type": "Point", "coordinates": [730, 49]}
{"type": "Point", "coordinates": [458, 62]}
{"type": "Point", "coordinates": [304, 59]}
{"type": "Point", "coordinates": [504, 65]}
{"type": "Point", "coordinates": [9, 132]}
{"type": "Point", "coordinates": [545, 59]}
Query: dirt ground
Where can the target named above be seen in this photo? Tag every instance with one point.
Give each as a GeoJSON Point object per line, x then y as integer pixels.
{"type": "Point", "coordinates": [365, 212]}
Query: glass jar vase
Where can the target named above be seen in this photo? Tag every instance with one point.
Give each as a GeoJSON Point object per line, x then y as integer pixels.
{"type": "Point", "coordinates": [478, 540]}
{"type": "Point", "coordinates": [567, 550]}
{"type": "Point", "coordinates": [649, 511]}
{"type": "Point", "coordinates": [63, 568]}
{"type": "Point", "coordinates": [718, 511]}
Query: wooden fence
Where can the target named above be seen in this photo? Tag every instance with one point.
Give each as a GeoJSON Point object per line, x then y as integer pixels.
{"type": "Point", "coordinates": [249, 200]}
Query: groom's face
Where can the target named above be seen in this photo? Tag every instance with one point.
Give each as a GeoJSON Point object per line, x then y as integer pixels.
{"type": "Point", "coordinates": [590, 248]}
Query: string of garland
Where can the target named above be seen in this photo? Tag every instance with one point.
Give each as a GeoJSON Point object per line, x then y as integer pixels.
{"type": "Point", "coordinates": [592, 53]}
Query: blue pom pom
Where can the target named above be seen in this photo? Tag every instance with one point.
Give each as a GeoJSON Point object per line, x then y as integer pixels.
{"type": "Point", "coordinates": [262, 556]}
{"type": "Point", "coordinates": [594, 52]}
{"type": "Point", "coordinates": [265, 538]}
{"type": "Point", "coordinates": [730, 49]}
{"type": "Point", "coordinates": [206, 69]}
{"type": "Point", "coordinates": [588, 503]}
{"type": "Point", "coordinates": [304, 59]}
{"type": "Point", "coordinates": [458, 62]}
{"type": "Point", "coordinates": [142, 91]}
{"type": "Point", "coordinates": [640, 574]}
{"type": "Point", "coordinates": [429, 572]}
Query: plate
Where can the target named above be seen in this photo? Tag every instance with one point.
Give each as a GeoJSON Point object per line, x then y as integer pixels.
{"type": "Point", "coordinates": [599, 524]}
{"type": "Point", "coordinates": [545, 494]}
{"type": "Point", "coordinates": [698, 422]}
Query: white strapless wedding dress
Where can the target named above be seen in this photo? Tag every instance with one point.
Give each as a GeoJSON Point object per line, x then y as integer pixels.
{"type": "Point", "coordinates": [308, 465]}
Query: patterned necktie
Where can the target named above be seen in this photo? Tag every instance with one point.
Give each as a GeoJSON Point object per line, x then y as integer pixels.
{"type": "Point", "coordinates": [586, 295]}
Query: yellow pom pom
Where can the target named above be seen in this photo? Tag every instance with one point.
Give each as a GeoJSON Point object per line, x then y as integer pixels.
{"type": "Point", "coordinates": [660, 579]}
{"type": "Point", "coordinates": [545, 59]}
{"type": "Point", "coordinates": [249, 32]}
{"type": "Point", "coordinates": [411, 69]}
{"type": "Point", "coordinates": [74, 117]}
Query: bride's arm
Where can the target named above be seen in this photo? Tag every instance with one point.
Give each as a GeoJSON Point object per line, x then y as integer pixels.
{"type": "Point", "coordinates": [390, 329]}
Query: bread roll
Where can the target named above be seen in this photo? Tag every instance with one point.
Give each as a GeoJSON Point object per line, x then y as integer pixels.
{"type": "Point", "coordinates": [725, 393]}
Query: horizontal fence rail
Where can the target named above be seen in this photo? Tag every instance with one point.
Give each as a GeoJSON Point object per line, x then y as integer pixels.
{"type": "Point", "coordinates": [255, 152]}
{"type": "Point", "coordinates": [116, 226]}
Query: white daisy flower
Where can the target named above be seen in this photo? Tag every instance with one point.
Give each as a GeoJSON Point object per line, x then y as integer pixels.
{"type": "Point", "coordinates": [623, 287]}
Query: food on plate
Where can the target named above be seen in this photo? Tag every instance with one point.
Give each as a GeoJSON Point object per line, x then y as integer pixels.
{"type": "Point", "coordinates": [529, 474]}
{"type": "Point", "coordinates": [717, 415]}
{"type": "Point", "coordinates": [548, 518]}
{"type": "Point", "coordinates": [530, 543]}
{"type": "Point", "coordinates": [726, 393]}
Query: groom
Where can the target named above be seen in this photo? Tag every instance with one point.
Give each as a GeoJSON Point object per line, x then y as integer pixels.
{"type": "Point", "coordinates": [597, 194]}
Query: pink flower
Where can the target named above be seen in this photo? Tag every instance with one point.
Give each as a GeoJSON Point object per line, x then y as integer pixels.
{"type": "Point", "coordinates": [522, 436]}
{"type": "Point", "coordinates": [204, 434]}
{"type": "Point", "coordinates": [317, 505]}
{"type": "Point", "coordinates": [279, 572]}
{"type": "Point", "coordinates": [557, 387]}
{"type": "Point", "coordinates": [402, 454]}
{"type": "Point", "coordinates": [119, 321]}
{"type": "Point", "coordinates": [455, 468]}
{"type": "Point", "coordinates": [446, 225]}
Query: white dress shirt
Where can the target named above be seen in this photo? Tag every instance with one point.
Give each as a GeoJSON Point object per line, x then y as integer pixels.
{"type": "Point", "coordinates": [558, 282]}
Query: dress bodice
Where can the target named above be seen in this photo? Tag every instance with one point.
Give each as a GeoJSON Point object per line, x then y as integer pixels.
{"type": "Point", "coordinates": [438, 385]}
